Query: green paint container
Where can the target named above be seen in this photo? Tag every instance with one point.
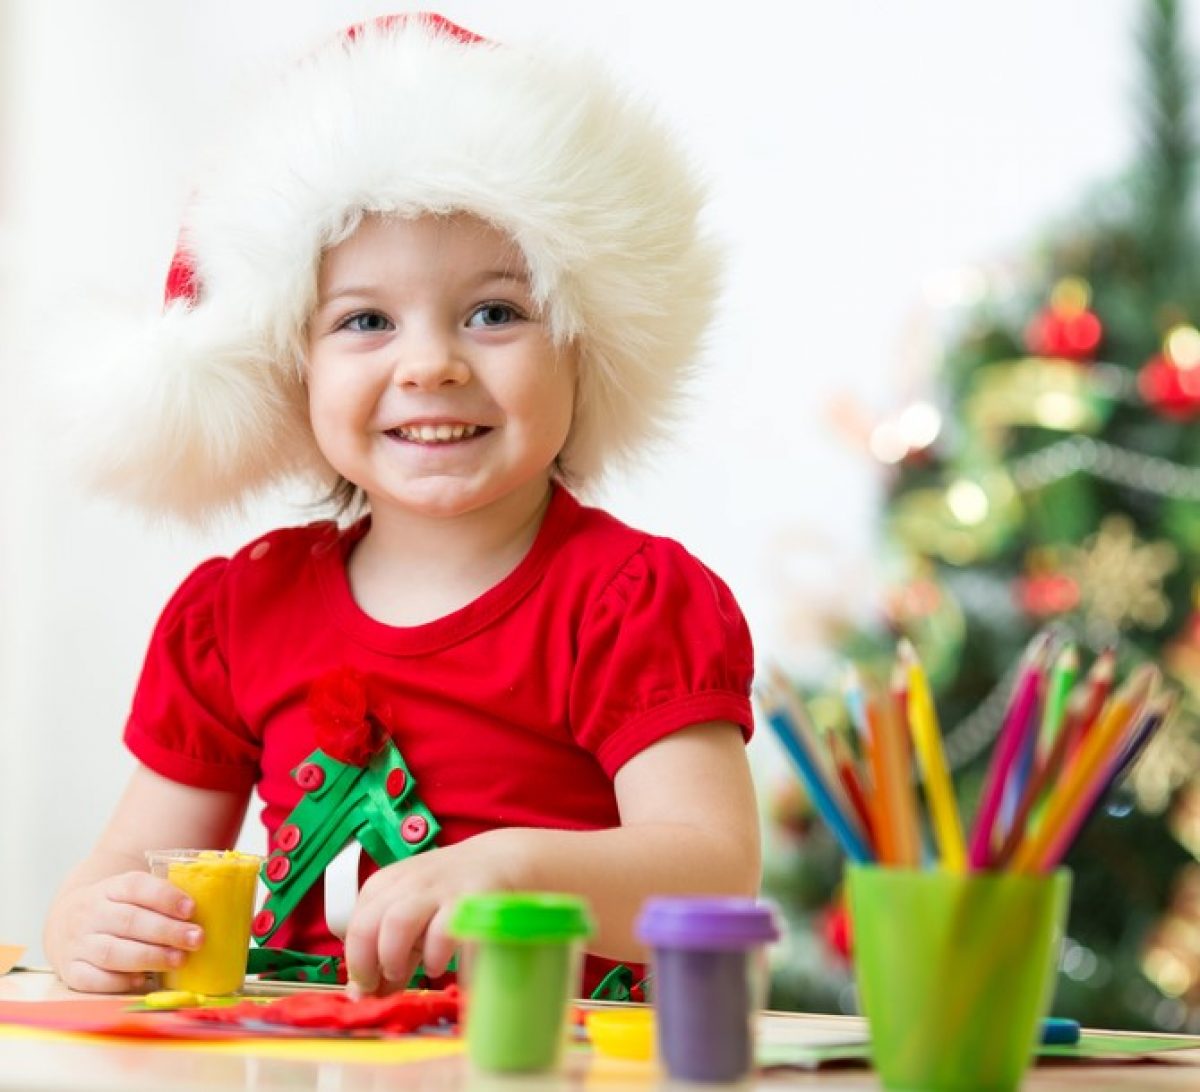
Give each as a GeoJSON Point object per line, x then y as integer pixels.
{"type": "Point", "coordinates": [955, 972]}
{"type": "Point", "coordinates": [521, 961]}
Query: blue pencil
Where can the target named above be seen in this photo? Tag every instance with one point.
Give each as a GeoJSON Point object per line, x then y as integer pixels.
{"type": "Point", "coordinates": [809, 768]}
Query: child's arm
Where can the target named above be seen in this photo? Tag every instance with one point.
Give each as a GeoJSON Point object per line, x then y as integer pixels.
{"type": "Point", "coordinates": [112, 921]}
{"type": "Point", "coordinates": [689, 825]}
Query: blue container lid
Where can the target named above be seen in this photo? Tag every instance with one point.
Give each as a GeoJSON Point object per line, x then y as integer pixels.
{"type": "Point", "coordinates": [724, 923]}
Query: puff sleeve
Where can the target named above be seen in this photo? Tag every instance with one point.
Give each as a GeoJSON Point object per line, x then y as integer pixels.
{"type": "Point", "coordinates": [183, 723]}
{"type": "Point", "coordinates": [664, 647]}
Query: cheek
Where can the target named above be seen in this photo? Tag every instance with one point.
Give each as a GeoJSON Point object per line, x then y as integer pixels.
{"type": "Point", "coordinates": [334, 404]}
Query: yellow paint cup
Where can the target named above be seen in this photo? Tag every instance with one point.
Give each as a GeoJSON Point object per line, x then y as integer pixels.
{"type": "Point", "coordinates": [222, 884]}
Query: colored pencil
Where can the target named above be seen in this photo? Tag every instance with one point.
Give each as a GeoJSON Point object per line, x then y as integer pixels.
{"type": "Point", "coordinates": [1044, 773]}
{"type": "Point", "coordinates": [1058, 691]}
{"type": "Point", "coordinates": [781, 709]}
{"type": "Point", "coordinates": [802, 724]}
{"type": "Point", "coordinates": [1019, 724]}
{"type": "Point", "coordinates": [926, 734]}
{"type": "Point", "coordinates": [880, 801]}
{"type": "Point", "coordinates": [1098, 746]}
{"type": "Point", "coordinates": [1084, 708]}
{"type": "Point", "coordinates": [1155, 713]}
{"type": "Point", "coordinates": [843, 763]}
{"type": "Point", "coordinates": [906, 835]}
{"type": "Point", "coordinates": [854, 695]}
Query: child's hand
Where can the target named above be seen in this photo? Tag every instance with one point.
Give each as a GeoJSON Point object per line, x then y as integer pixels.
{"type": "Point", "coordinates": [112, 932]}
{"type": "Point", "coordinates": [403, 910]}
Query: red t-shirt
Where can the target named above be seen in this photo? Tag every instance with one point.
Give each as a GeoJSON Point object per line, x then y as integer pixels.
{"type": "Point", "coordinates": [515, 711]}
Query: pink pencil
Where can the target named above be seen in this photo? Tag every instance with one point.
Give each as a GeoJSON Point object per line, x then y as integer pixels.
{"type": "Point", "coordinates": [1020, 721]}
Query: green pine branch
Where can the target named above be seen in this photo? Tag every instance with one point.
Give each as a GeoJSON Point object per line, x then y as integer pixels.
{"type": "Point", "coordinates": [1167, 157]}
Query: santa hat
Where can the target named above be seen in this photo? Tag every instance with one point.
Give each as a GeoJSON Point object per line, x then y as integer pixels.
{"type": "Point", "coordinates": [205, 404]}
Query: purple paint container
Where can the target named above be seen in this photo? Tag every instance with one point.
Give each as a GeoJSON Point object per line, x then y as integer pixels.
{"type": "Point", "coordinates": [709, 980]}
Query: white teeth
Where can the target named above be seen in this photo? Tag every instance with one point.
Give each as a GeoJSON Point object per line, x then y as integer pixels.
{"type": "Point", "coordinates": [436, 434]}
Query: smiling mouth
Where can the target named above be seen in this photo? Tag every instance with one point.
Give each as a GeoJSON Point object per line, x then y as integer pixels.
{"type": "Point", "coordinates": [436, 434]}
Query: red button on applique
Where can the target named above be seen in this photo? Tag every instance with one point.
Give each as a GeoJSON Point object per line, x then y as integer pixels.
{"type": "Point", "coordinates": [264, 922]}
{"type": "Point", "coordinates": [278, 867]}
{"type": "Point", "coordinates": [413, 829]}
{"type": "Point", "coordinates": [396, 781]}
{"type": "Point", "coordinates": [310, 776]}
{"type": "Point", "coordinates": [288, 837]}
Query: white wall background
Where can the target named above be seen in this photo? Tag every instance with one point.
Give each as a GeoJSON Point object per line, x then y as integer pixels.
{"type": "Point", "coordinates": [857, 151]}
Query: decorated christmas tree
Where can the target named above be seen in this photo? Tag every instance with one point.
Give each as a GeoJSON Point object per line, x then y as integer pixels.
{"type": "Point", "coordinates": [1052, 477]}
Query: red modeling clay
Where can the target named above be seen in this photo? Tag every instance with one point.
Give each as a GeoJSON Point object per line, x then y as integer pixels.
{"type": "Point", "coordinates": [401, 1012]}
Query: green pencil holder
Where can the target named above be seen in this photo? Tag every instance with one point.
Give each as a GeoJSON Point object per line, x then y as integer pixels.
{"type": "Point", "coordinates": [521, 963]}
{"type": "Point", "coordinates": [955, 972]}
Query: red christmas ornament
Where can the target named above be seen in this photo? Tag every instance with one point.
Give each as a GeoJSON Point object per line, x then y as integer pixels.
{"type": "Point", "coordinates": [836, 930]}
{"type": "Point", "coordinates": [346, 729]}
{"type": "Point", "coordinates": [907, 603]}
{"type": "Point", "coordinates": [1170, 382]}
{"type": "Point", "coordinates": [1047, 594]}
{"type": "Point", "coordinates": [1066, 329]}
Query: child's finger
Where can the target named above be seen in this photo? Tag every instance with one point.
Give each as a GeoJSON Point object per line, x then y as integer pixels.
{"type": "Point", "coordinates": [152, 892]}
{"type": "Point", "coordinates": [88, 978]}
{"type": "Point", "coordinates": [439, 945]}
{"type": "Point", "coordinates": [111, 953]}
{"type": "Point", "coordinates": [124, 919]}
{"type": "Point", "coordinates": [362, 956]}
{"type": "Point", "coordinates": [401, 932]}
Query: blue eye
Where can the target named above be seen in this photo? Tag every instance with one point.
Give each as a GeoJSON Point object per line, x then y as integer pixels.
{"type": "Point", "coordinates": [494, 314]}
{"type": "Point", "coordinates": [367, 322]}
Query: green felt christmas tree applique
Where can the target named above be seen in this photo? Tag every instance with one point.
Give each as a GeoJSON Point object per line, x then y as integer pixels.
{"type": "Point", "coordinates": [357, 786]}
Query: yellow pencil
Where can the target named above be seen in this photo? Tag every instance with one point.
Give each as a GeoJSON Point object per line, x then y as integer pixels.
{"type": "Point", "coordinates": [927, 739]}
{"type": "Point", "coordinates": [1086, 766]}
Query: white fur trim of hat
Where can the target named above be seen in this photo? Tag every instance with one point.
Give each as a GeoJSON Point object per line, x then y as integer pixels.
{"type": "Point", "coordinates": [205, 405]}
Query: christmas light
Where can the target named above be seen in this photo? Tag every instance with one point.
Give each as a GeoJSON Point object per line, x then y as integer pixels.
{"type": "Point", "coordinates": [920, 424]}
{"type": "Point", "coordinates": [967, 502]}
{"type": "Point", "coordinates": [1077, 454]}
{"type": "Point", "coordinates": [1183, 347]}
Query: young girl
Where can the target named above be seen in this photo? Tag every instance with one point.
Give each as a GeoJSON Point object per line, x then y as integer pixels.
{"type": "Point", "coordinates": [451, 282]}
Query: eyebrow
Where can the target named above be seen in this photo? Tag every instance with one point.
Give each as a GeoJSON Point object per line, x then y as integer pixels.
{"type": "Point", "coordinates": [516, 276]}
{"type": "Point", "coordinates": [351, 290]}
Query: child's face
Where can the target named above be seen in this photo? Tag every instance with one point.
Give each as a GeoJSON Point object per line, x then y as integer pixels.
{"type": "Point", "coordinates": [433, 383]}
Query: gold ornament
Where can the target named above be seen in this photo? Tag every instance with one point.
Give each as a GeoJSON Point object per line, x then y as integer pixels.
{"type": "Point", "coordinates": [1121, 578]}
{"type": "Point", "coordinates": [970, 520]}
{"type": "Point", "coordinates": [1171, 957]}
{"type": "Point", "coordinates": [1182, 656]}
{"type": "Point", "coordinates": [1035, 391]}
{"type": "Point", "coordinates": [1170, 760]}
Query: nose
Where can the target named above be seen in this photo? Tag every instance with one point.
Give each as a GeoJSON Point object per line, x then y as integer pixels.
{"type": "Point", "coordinates": [427, 360]}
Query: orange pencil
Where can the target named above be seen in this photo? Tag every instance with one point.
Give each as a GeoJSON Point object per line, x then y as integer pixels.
{"type": "Point", "coordinates": [1087, 764]}
{"type": "Point", "coordinates": [908, 841]}
{"type": "Point", "coordinates": [907, 837]}
{"type": "Point", "coordinates": [886, 784]}
{"type": "Point", "coordinates": [1087, 701]}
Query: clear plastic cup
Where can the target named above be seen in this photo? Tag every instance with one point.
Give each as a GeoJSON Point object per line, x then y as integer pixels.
{"type": "Point", "coordinates": [955, 972]}
{"type": "Point", "coordinates": [222, 884]}
{"type": "Point", "coordinates": [710, 978]}
{"type": "Point", "coordinates": [522, 957]}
